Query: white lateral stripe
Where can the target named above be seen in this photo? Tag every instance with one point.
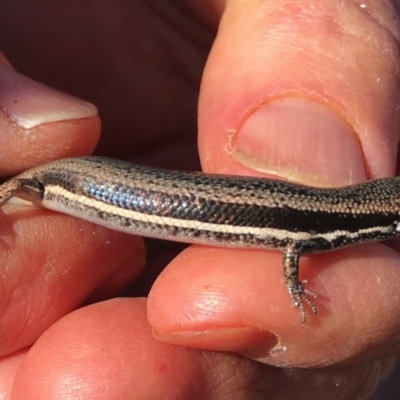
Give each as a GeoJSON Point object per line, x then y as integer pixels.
{"type": "Point", "coordinates": [77, 201]}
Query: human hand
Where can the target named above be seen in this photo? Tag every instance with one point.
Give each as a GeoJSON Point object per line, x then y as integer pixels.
{"type": "Point", "coordinates": [303, 90]}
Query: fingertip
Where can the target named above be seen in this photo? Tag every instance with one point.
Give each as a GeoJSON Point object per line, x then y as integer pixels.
{"type": "Point", "coordinates": [236, 300]}
{"type": "Point", "coordinates": [211, 298]}
{"type": "Point", "coordinates": [253, 72]}
{"type": "Point", "coordinates": [107, 348]}
{"type": "Point", "coordinates": [41, 124]}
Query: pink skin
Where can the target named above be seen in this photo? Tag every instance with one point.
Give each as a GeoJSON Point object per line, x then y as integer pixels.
{"type": "Point", "coordinates": [277, 70]}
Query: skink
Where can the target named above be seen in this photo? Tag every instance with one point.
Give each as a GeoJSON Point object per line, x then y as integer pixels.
{"type": "Point", "coordinates": [216, 210]}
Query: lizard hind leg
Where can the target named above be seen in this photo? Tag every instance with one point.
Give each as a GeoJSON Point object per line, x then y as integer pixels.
{"type": "Point", "coordinates": [298, 293]}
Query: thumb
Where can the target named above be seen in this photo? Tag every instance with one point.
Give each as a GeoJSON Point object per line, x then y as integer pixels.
{"type": "Point", "coordinates": [305, 91]}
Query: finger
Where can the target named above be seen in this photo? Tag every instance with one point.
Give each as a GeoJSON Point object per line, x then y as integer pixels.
{"type": "Point", "coordinates": [83, 57]}
{"type": "Point", "coordinates": [40, 124]}
{"type": "Point", "coordinates": [274, 100]}
{"type": "Point", "coordinates": [51, 263]}
{"type": "Point", "coordinates": [107, 351]}
{"type": "Point", "coordinates": [326, 129]}
{"type": "Point", "coordinates": [237, 301]}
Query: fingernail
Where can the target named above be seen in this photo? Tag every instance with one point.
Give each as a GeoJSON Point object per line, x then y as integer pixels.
{"type": "Point", "coordinates": [30, 104]}
{"type": "Point", "coordinates": [300, 140]}
{"type": "Point", "coordinates": [241, 339]}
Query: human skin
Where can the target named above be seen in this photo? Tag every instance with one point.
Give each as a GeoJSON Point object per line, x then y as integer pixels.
{"type": "Point", "coordinates": [300, 90]}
